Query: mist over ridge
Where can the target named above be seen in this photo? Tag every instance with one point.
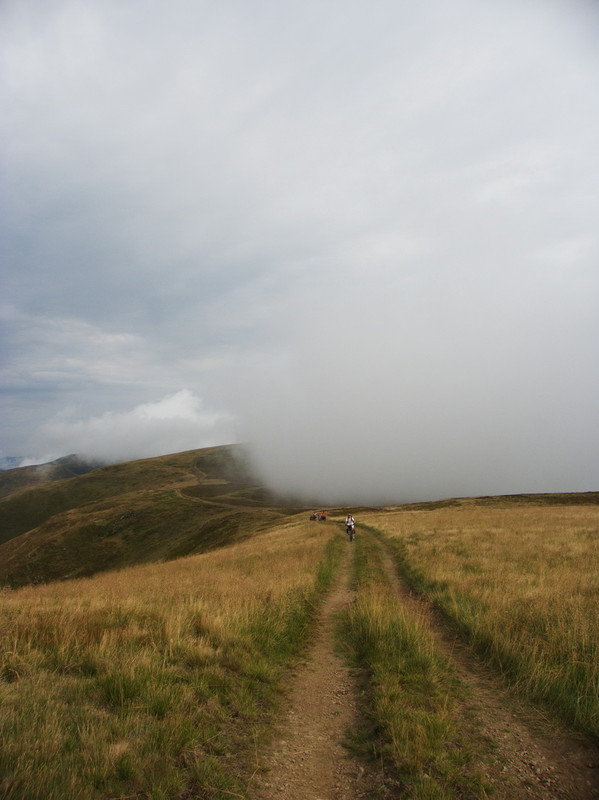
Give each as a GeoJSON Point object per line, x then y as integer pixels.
{"type": "Point", "coordinates": [384, 406]}
{"type": "Point", "coordinates": [463, 382]}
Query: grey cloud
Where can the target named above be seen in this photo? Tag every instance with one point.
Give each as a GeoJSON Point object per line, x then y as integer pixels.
{"type": "Point", "coordinates": [265, 204]}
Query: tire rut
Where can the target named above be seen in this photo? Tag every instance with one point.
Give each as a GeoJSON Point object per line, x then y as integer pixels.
{"type": "Point", "coordinates": [533, 758]}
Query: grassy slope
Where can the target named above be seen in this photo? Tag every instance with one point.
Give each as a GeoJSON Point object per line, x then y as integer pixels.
{"type": "Point", "coordinates": [156, 681]}
{"type": "Point", "coordinates": [28, 509]}
{"type": "Point", "coordinates": [137, 512]}
{"type": "Point", "coordinates": [192, 659]}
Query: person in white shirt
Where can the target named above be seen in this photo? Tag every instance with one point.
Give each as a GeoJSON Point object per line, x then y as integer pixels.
{"type": "Point", "coordinates": [350, 526]}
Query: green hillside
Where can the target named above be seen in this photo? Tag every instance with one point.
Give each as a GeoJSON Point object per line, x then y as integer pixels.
{"type": "Point", "coordinates": [124, 514]}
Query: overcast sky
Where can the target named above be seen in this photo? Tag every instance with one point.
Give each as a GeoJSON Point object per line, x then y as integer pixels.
{"type": "Point", "coordinates": [363, 236]}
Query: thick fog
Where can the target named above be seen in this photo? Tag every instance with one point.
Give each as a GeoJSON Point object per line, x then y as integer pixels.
{"type": "Point", "coordinates": [361, 237]}
{"type": "Point", "coordinates": [449, 344]}
{"type": "Point", "coordinates": [466, 389]}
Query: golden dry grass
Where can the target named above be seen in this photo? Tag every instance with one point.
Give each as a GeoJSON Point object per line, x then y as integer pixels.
{"type": "Point", "coordinates": [523, 584]}
{"type": "Point", "coordinates": [148, 679]}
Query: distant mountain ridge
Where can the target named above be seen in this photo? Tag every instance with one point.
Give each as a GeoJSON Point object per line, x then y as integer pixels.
{"type": "Point", "coordinates": [10, 462]}
{"type": "Point", "coordinates": [14, 479]}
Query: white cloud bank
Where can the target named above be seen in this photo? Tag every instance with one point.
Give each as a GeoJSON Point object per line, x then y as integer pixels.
{"type": "Point", "coordinates": [177, 422]}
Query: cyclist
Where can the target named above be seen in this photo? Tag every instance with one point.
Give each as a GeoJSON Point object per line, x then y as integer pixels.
{"type": "Point", "coordinates": [350, 526]}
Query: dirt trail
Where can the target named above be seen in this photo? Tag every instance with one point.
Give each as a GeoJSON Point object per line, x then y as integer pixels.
{"type": "Point", "coordinates": [308, 760]}
{"type": "Point", "coordinates": [534, 760]}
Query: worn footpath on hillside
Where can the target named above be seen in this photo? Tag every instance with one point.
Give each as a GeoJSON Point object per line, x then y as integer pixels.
{"type": "Point", "coordinates": [534, 758]}
{"type": "Point", "coordinates": [308, 760]}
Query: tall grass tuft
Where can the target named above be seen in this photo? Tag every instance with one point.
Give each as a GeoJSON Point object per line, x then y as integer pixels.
{"type": "Point", "coordinates": [152, 681]}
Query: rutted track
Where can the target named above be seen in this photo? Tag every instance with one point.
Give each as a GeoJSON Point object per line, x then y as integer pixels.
{"type": "Point", "coordinates": [534, 759]}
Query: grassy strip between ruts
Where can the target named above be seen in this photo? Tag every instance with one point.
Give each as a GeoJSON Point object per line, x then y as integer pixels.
{"type": "Point", "coordinates": [155, 682]}
{"type": "Point", "coordinates": [414, 694]}
{"type": "Point", "coordinates": [522, 586]}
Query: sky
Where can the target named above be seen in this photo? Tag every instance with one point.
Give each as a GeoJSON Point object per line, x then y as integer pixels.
{"type": "Point", "coordinates": [360, 236]}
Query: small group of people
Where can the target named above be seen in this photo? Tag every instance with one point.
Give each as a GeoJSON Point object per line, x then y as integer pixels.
{"type": "Point", "coordinates": [350, 522]}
